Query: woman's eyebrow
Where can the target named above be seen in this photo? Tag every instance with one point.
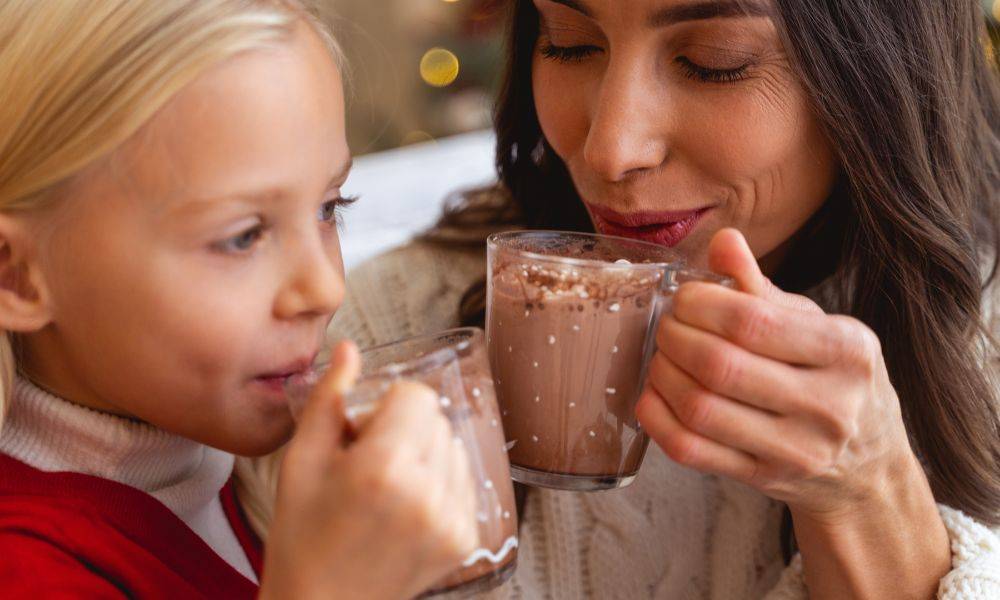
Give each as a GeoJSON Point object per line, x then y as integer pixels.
{"type": "Point", "coordinates": [576, 5]}
{"type": "Point", "coordinates": [711, 9]}
{"type": "Point", "coordinates": [692, 11]}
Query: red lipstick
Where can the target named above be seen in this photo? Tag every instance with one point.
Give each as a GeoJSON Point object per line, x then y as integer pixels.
{"type": "Point", "coordinates": [667, 228]}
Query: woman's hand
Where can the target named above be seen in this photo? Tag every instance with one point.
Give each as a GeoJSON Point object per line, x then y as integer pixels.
{"type": "Point", "coordinates": [763, 387]}
{"type": "Point", "coordinates": [383, 517]}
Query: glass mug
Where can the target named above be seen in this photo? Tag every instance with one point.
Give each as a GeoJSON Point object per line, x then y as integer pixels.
{"type": "Point", "coordinates": [571, 322]}
{"type": "Point", "coordinates": [453, 363]}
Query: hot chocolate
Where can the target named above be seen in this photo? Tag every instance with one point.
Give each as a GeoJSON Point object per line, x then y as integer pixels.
{"type": "Point", "coordinates": [569, 343]}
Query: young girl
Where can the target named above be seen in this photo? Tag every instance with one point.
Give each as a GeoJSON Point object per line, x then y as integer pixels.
{"type": "Point", "coordinates": [170, 172]}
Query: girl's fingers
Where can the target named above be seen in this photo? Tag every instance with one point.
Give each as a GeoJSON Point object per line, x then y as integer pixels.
{"type": "Point", "coordinates": [728, 370]}
{"type": "Point", "coordinates": [322, 420]}
{"type": "Point", "coordinates": [404, 415]}
{"type": "Point", "coordinates": [687, 447]}
{"type": "Point", "coordinates": [722, 420]}
{"type": "Point", "coordinates": [463, 498]}
{"type": "Point", "coordinates": [762, 327]}
{"type": "Point", "coordinates": [436, 460]}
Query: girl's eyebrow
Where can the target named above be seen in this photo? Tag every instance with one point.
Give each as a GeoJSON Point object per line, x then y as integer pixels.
{"type": "Point", "coordinates": [205, 203]}
{"type": "Point", "coordinates": [341, 176]}
{"type": "Point", "coordinates": [692, 11]}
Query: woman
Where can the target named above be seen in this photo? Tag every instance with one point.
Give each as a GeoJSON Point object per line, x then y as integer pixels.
{"type": "Point", "coordinates": [856, 146]}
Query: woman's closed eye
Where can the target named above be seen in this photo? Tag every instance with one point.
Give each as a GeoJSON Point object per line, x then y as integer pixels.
{"type": "Point", "coordinates": [568, 53]}
{"type": "Point", "coordinates": [693, 70]}
{"type": "Point", "coordinates": [690, 69]}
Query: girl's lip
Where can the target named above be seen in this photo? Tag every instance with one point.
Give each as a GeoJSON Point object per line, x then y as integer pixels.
{"type": "Point", "coordinates": [276, 379]}
{"type": "Point", "coordinates": [664, 228]}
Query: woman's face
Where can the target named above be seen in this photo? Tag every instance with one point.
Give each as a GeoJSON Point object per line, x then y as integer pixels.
{"type": "Point", "coordinates": [677, 118]}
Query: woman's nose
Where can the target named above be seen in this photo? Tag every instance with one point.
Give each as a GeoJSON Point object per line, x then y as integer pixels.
{"type": "Point", "coordinates": [627, 134]}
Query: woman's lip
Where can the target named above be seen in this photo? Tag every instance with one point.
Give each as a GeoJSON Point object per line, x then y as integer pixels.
{"type": "Point", "coordinates": [643, 218]}
{"type": "Point", "coordinates": [663, 228]}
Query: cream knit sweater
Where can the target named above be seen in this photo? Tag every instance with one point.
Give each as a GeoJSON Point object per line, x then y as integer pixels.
{"type": "Point", "coordinates": [674, 533]}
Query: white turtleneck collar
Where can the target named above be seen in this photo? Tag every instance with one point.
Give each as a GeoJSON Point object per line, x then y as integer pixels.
{"type": "Point", "coordinates": [51, 434]}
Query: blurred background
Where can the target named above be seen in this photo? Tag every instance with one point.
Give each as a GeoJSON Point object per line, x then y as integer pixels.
{"type": "Point", "coordinates": [421, 69]}
{"type": "Point", "coordinates": [424, 75]}
{"type": "Point", "coordinates": [426, 69]}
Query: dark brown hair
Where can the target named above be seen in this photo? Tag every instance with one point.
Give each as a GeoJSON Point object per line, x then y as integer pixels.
{"type": "Point", "coordinates": [908, 241]}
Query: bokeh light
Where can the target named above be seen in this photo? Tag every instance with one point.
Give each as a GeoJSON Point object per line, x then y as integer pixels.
{"type": "Point", "coordinates": [416, 137]}
{"type": "Point", "coordinates": [439, 67]}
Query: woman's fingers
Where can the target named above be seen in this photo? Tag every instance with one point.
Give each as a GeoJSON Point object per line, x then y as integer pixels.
{"type": "Point", "coordinates": [730, 255]}
{"type": "Point", "coordinates": [717, 418]}
{"type": "Point", "coordinates": [687, 447]}
{"type": "Point", "coordinates": [762, 327]}
{"type": "Point", "coordinates": [724, 368]}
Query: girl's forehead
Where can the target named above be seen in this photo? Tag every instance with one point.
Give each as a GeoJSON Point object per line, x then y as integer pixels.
{"type": "Point", "coordinates": [266, 119]}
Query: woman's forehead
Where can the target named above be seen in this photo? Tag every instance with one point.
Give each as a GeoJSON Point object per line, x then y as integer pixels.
{"type": "Point", "coordinates": [663, 13]}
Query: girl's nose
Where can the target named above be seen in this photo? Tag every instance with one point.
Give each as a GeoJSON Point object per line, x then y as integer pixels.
{"type": "Point", "coordinates": [315, 286]}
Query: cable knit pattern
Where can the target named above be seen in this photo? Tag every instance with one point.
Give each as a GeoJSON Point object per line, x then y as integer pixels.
{"type": "Point", "coordinates": [975, 551]}
{"type": "Point", "coordinates": [53, 435]}
{"type": "Point", "coordinates": [673, 534]}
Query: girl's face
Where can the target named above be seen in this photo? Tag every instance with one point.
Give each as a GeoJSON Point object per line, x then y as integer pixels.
{"type": "Point", "coordinates": [188, 274]}
{"type": "Point", "coordinates": [677, 118]}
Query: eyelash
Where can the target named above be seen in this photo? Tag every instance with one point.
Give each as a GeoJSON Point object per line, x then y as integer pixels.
{"type": "Point", "coordinates": [692, 70]}
{"type": "Point", "coordinates": [338, 204]}
{"type": "Point", "coordinates": [700, 73]}
{"type": "Point", "coordinates": [243, 242]}
{"type": "Point", "coordinates": [568, 53]}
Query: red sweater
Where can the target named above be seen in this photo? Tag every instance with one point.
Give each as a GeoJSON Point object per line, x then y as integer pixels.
{"type": "Point", "coordinates": [68, 535]}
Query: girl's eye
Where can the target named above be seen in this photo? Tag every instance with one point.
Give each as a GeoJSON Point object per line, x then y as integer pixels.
{"type": "Point", "coordinates": [241, 242]}
{"type": "Point", "coordinates": [568, 53]}
{"type": "Point", "coordinates": [697, 72]}
{"type": "Point", "coordinates": [329, 211]}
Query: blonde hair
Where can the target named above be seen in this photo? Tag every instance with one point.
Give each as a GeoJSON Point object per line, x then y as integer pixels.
{"type": "Point", "coordinates": [80, 77]}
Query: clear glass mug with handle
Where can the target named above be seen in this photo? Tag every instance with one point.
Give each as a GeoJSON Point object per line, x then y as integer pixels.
{"type": "Point", "coordinates": [571, 328]}
{"type": "Point", "coordinates": [453, 363]}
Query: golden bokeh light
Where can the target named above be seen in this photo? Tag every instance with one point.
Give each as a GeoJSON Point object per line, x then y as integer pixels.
{"type": "Point", "coordinates": [416, 137]}
{"type": "Point", "coordinates": [439, 67]}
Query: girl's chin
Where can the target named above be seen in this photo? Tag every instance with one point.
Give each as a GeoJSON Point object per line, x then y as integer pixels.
{"type": "Point", "coordinates": [260, 443]}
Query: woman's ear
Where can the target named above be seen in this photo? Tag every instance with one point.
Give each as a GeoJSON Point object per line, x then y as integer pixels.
{"type": "Point", "coordinates": [24, 305]}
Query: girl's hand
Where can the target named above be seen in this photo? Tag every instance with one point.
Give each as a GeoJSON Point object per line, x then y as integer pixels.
{"type": "Point", "coordinates": [383, 517]}
{"type": "Point", "coordinates": [763, 387]}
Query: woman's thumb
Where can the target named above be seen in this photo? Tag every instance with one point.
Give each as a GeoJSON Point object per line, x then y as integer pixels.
{"type": "Point", "coordinates": [323, 415]}
{"type": "Point", "coordinates": [729, 254]}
